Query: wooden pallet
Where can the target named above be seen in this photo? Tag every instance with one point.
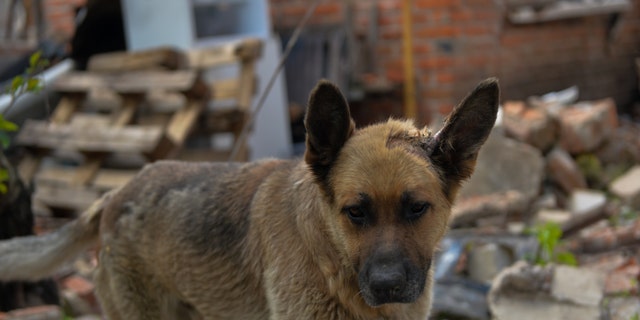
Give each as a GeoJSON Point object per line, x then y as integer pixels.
{"type": "Point", "coordinates": [81, 152]}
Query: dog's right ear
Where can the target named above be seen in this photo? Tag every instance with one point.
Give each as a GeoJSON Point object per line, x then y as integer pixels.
{"type": "Point", "coordinates": [329, 125]}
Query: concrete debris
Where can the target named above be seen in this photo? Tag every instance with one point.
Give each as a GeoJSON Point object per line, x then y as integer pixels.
{"type": "Point", "coordinates": [627, 187]}
{"type": "Point", "coordinates": [530, 125]}
{"type": "Point", "coordinates": [564, 171]}
{"type": "Point", "coordinates": [505, 165]}
{"type": "Point", "coordinates": [557, 216]}
{"type": "Point", "coordinates": [586, 125]}
{"type": "Point", "coordinates": [44, 312]}
{"type": "Point", "coordinates": [487, 260]}
{"type": "Point", "coordinates": [584, 201]}
{"type": "Point", "coordinates": [525, 292]}
{"type": "Point", "coordinates": [470, 210]}
{"type": "Point", "coordinates": [580, 286]}
{"type": "Point", "coordinates": [623, 308]}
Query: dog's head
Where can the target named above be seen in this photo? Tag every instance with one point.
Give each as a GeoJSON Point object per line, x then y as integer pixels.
{"type": "Point", "coordinates": [391, 186]}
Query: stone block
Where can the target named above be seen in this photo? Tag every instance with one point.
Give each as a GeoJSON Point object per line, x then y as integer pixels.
{"type": "Point", "coordinates": [627, 187]}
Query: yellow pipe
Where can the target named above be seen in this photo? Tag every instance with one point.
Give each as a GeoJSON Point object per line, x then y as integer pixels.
{"type": "Point", "coordinates": [407, 55]}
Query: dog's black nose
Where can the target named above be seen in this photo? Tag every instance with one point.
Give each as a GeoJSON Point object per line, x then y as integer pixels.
{"type": "Point", "coordinates": [387, 281]}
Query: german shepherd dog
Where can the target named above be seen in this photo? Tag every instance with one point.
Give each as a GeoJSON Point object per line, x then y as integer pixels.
{"type": "Point", "coordinates": [347, 232]}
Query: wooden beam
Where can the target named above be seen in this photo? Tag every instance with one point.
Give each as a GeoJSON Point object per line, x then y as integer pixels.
{"type": "Point", "coordinates": [39, 134]}
{"type": "Point", "coordinates": [163, 58]}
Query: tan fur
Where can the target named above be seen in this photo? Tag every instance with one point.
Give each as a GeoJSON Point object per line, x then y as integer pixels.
{"type": "Point", "coordinates": [277, 239]}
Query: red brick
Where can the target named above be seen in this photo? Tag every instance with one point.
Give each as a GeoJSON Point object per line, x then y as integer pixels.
{"type": "Point", "coordinates": [475, 30]}
{"type": "Point", "coordinates": [293, 10]}
{"type": "Point", "coordinates": [461, 16]}
{"type": "Point", "coordinates": [436, 62]}
{"type": "Point", "coordinates": [444, 31]}
{"type": "Point", "coordinates": [328, 9]}
{"type": "Point", "coordinates": [385, 5]}
{"type": "Point", "coordinates": [445, 77]}
{"type": "Point", "coordinates": [422, 48]}
{"type": "Point", "coordinates": [429, 4]}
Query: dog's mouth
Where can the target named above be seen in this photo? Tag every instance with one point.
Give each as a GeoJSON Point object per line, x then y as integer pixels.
{"type": "Point", "coordinates": [391, 282]}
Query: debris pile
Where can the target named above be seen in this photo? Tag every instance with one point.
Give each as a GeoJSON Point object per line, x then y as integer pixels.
{"type": "Point", "coordinates": [548, 226]}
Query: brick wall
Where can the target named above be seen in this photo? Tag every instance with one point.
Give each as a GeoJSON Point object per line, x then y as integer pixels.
{"type": "Point", "coordinates": [459, 42]}
{"type": "Point", "coordinates": [59, 15]}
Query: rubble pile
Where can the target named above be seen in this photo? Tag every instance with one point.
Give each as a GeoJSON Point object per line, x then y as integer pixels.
{"type": "Point", "coordinates": [548, 165]}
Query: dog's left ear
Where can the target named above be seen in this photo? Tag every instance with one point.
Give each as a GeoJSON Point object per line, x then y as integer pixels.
{"type": "Point", "coordinates": [454, 149]}
{"type": "Point", "coordinates": [329, 126]}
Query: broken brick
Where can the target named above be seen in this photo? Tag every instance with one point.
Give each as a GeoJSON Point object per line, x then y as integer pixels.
{"type": "Point", "coordinates": [563, 170]}
{"type": "Point", "coordinates": [586, 125]}
{"type": "Point", "coordinates": [530, 125]}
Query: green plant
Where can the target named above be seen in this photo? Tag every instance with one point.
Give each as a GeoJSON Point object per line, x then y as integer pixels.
{"type": "Point", "coordinates": [21, 84]}
{"type": "Point", "coordinates": [548, 236]}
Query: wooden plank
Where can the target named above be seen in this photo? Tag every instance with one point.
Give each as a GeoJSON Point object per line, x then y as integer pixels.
{"type": "Point", "coordinates": [28, 166]}
{"type": "Point", "coordinates": [247, 83]}
{"type": "Point", "coordinates": [224, 89]}
{"type": "Point", "coordinates": [139, 82]}
{"type": "Point", "coordinates": [81, 82]}
{"type": "Point", "coordinates": [87, 171]}
{"type": "Point", "coordinates": [124, 115]}
{"type": "Point", "coordinates": [183, 120]}
{"type": "Point", "coordinates": [231, 88]}
{"type": "Point", "coordinates": [70, 198]}
{"type": "Point", "coordinates": [157, 58]}
{"type": "Point", "coordinates": [44, 135]}
{"type": "Point", "coordinates": [225, 54]}
{"type": "Point", "coordinates": [105, 179]}
{"type": "Point", "coordinates": [67, 106]}
{"type": "Point", "coordinates": [143, 81]}
{"type": "Point", "coordinates": [224, 120]}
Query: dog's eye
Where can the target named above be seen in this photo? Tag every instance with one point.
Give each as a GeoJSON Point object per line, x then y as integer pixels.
{"type": "Point", "coordinates": [417, 209]}
{"type": "Point", "coordinates": [356, 214]}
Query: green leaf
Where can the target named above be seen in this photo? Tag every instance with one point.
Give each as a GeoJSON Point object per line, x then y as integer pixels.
{"type": "Point", "coordinates": [5, 141]}
{"type": "Point", "coordinates": [35, 58]}
{"type": "Point", "coordinates": [16, 83]}
{"type": "Point", "coordinates": [3, 188]}
{"type": "Point", "coordinates": [33, 84]}
{"type": "Point", "coordinates": [6, 125]}
{"type": "Point", "coordinates": [4, 175]}
{"type": "Point", "coordinates": [566, 258]}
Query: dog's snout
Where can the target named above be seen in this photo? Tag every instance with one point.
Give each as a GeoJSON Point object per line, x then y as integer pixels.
{"type": "Point", "coordinates": [387, 281]}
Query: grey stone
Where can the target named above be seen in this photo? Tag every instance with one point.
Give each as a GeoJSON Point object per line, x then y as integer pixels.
{"type": "Point", "coordinates": [583, 201]}
{"type": "Point", "coordinates": [579, 285]}
{"type": "Point", "coordinates": [487, 260]}
{"type": "Point", "coordinates": [523, 292]}
{"type": "Point", "coordinates": [505, 165]}
{"type": "Point", "coordinates": [623, 308]}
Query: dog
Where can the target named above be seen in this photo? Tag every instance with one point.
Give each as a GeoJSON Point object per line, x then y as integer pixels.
{"type": "Point", "coordinates": [347, 232]}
